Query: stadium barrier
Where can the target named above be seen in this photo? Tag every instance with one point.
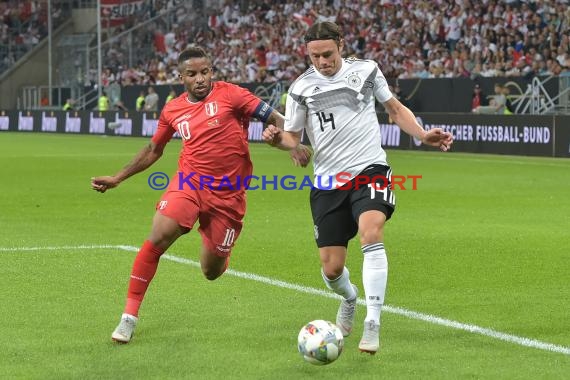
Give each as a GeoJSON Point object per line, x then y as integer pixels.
{"type": "Point", "coordinates": [524, 135]}
{"type": "Point", "coordinates": [443, 95]}
{"type": "Point", "coordinates": [547, 136]}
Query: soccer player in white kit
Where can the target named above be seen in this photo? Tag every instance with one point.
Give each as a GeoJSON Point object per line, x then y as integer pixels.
{"type": "Point", "coordinates": [334, 101]}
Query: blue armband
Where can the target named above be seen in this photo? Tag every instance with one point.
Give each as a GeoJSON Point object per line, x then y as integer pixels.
{"type": "Point", "coordinates": [263, 111]}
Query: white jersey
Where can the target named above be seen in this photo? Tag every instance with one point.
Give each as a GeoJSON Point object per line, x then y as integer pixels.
{"type": "Point", "coordinates": [340, 119]}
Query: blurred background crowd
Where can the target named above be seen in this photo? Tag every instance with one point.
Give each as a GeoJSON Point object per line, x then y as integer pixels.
{"type": "Point", "coordinates": [261, 41]}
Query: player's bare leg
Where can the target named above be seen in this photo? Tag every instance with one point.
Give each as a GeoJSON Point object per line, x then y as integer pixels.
{"type": "Point", "coordinates": [213, 265]}
{"type": "Point", "coordinates": [164, 232]}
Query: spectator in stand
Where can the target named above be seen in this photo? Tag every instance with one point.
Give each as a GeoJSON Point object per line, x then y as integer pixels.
{"type": "Point", "coordinates": [261, 56]}
{"type": "Point", "coordinates": [103, 104]}
{"type": "Point", "coordinates": [509, 108]}
{"type": "Point", "coordinates": [478, 99]}
{"type": "Point", "coordinates": [69, 105]}
{"type": "Point", "coordinates": [497, 103]}
{"type": "Point", "coordinates": [139, 104]}
{"type": "Point", "coordinates": [114, 92]}
{"type": "Point", "coordinates": [171, 95]}
{"type": "Point", "coordinates": [453, 29]}
{"type": "Point", "coordinates": [264, 76]}
{"type": "Point", "coordinates": [151, 100]}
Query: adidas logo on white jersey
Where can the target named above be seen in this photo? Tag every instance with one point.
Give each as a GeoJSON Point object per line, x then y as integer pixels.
{"type": "Point", "coordinates": [317, 89]}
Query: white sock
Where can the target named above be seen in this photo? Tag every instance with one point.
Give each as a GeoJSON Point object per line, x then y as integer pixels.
{"type": "Point", "coordinates": [374, 278]}
{"type": "Point", "coordinates": [341, 285]}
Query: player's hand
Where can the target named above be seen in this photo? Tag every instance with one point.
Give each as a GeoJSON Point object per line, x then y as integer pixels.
{"type": "Point", "coordinates": [301, 156]}
{"type": "Point", "coordinates": [102, 184]}
{"type": "Point", "coordinates": [272, 135]}
{"type": "Point", "coordinates": [438, 138]}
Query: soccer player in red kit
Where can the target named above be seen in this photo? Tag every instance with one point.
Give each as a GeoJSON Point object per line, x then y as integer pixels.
{"type": "Point", "coordinates": [212, 119]}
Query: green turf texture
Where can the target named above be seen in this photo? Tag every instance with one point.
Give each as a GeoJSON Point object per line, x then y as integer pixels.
{"type": "Point", "coordinates": [484, 240]}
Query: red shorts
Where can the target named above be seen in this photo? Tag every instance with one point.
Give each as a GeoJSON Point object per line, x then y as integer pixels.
{"type": "Point", "coordinates": [220, 218]}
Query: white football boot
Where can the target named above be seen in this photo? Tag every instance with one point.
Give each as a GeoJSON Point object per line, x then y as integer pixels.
{"type": "Point", "coordinates": [126, 328]}
{"type": "Point", "coordinates": [370, 342]}
{"type": "Point", "coordinates": [345, 314]}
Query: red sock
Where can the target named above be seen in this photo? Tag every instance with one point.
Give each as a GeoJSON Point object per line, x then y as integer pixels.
{"type": "Point", "coordinates": [143, 271]}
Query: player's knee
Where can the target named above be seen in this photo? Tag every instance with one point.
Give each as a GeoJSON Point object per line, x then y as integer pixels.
{"type": "Point", "coordinates": [212, 274]}
{"type": "Point", "coordinates": [164, 237]}
{"type": "Point", "coordinates": [332, 271]}
{"type": "Point", "coordinates": [212, 269]}
{"type": "Point", "coordinates": [162, 241]}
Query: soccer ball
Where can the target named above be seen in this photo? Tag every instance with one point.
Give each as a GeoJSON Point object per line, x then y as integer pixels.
{"type": "Point", "coordinates": [320, 342]}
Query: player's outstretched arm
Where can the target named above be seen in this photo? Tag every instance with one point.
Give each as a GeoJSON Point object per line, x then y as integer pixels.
{"type": "Point", "coordinates": [144, 159]}
{"type": "Point", "coordinates": [406, 120]}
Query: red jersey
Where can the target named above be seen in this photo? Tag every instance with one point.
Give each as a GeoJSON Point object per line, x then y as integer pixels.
{"type": "Point", "coordinates": [214, 135]}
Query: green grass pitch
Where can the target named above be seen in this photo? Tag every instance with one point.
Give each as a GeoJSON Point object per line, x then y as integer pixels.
{"type": "Point", "coordinates": [484, 241]}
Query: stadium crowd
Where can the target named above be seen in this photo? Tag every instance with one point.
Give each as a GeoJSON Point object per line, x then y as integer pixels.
{"type": "Point", "coordinates": [23, 24]}
{"type": "Point", "coordinates": [260, 41]}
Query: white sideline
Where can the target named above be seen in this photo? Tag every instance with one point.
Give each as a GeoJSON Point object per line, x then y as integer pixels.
{"type": "Point", "coordinates": [522, 341]}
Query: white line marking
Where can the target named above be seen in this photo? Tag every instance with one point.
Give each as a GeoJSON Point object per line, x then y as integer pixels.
{"type": "Point", "coordinates": [522, 341]}
{"type": "Point", "coordinates": [68, 155]}
{"type": "Point", "coordinates": [21, 249]}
